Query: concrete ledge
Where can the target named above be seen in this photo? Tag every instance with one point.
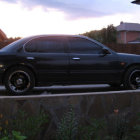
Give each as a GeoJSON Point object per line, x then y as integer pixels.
{"type": "Point", "coordinates": [70, 94]}
{"type": "Point", "coordinates": [86, 105]}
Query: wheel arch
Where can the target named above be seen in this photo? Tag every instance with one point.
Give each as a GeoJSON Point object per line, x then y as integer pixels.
{"type": "Point", "coordinates": [21, 65]}
{"type": "Point", "coordinates": [128, 67]}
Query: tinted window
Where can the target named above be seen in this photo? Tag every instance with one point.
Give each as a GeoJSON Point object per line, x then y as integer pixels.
{"type": "Point", "coordinates": [46, 45]}
{"type": "Point", "coordinates": [84, 46]}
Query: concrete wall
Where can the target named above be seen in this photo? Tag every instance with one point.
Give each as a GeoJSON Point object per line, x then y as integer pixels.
{"type": "Point", "coordinates": [86, 106]}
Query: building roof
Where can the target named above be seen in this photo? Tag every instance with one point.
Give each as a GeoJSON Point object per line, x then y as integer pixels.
{"type": "Point", "coordinates": [128, 27]}
{"type": "Point", "coordinates": [136, 1]}
{"type": "Point", "coordinates": [2, 35]}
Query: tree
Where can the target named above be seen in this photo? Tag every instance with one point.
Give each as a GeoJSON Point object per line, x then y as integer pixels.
{"type": "Point", "coordinates": [105, 35]}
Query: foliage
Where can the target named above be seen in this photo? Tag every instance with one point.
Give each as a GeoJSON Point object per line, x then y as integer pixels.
{"type": "Point", "coordinates": [14, 136]}
{"type": "Point", "coordinates": [92, 131]}
{"type": "Point", "coordinates": [29, 125]}
{"type": "Point", "coordinates": [116, 129]}
{"type": "Point", "coordinates": [3, 125]}
{"type": "Point", "coordinates": [6, 133]}
{"type": "Point", "coordinates": [22, 124]}
{"type": "Point", "coordinates": [67, 128]}
{"type": "Point", "coordinates": [120, 126]}
{"type": "Point", "coordinates": [25, 126]}
{"type": "Point", "coordinates": [105, 35]}
{"type": "Point", "coordinates": [70, 129]}
{"type": "Point", "coordinates": [136, 129]}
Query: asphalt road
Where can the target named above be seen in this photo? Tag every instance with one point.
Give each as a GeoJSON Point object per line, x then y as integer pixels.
{"type": "Point", "coordinates": [66, 89]}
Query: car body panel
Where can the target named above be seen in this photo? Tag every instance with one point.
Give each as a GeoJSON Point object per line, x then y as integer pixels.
{"type": "Point", "coordinates": [95, 68]}
{"type": "Point", "coordinates": [60, 68]}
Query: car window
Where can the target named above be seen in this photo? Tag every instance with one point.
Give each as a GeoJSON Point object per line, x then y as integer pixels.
{"type": "Point", "coordinates": [46, 45]}
{"type": "Point", "coordinates": [83, 46]}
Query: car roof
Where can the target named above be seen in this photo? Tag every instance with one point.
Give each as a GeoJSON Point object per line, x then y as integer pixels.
{"type": "Point", "coordinates": [23, 41]}
{"type": "Point", "coordinates": [56, 35]}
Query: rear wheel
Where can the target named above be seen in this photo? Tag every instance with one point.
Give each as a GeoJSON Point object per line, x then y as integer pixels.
{"type": "Point", "coordinates": [19, 80]}
{"type": "Point", "coordinates": [132, 78]}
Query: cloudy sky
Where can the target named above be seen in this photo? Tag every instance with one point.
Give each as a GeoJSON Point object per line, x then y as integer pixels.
{"type": "Point", "coordinates": [31, 17]}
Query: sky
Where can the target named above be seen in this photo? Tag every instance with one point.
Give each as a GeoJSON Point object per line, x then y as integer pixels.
{"type": "Point", "coordinates": [21, 18]}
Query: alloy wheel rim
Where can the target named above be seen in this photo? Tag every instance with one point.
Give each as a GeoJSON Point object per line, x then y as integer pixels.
{"type": "Point", "coordinates": [134, 79]}
{"type": "Point", "coordinates": [19, 81]}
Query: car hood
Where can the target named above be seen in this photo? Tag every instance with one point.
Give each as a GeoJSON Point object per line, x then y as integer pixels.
{"type": "Point", "coordinates": [128, 55]}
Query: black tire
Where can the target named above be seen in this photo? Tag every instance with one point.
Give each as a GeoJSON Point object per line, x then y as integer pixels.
{"type": "Point", "coordinates": [132, 78]}
{"type": "Point", "coordinates": [19, 80]}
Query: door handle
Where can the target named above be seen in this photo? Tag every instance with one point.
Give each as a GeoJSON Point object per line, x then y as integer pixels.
{"type": "Point", "coordinates": [75, 58]}
{"type": "Point", "coordinates": [30, 58]}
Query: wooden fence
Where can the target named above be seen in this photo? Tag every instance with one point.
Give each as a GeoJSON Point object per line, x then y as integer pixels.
{"type": "Point", "coordinates": [125, 48]}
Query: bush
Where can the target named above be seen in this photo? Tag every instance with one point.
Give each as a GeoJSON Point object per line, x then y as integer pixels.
{"type": "Point", "coordinates": [117, 128]}
{"type": "Point", "coordinates": [67, 128]}
{"type": "Point", "coordinates": [30, 126]}
{"type": "Point", "coordinates": [22, 126]}
{"type": "Point", "coordinates": [14, 136]}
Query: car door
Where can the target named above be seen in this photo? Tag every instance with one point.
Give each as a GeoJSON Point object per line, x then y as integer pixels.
{"type": "Point", "coordinates": [88, 63]}
{"type": "Point", "coordinates": [49, 58]}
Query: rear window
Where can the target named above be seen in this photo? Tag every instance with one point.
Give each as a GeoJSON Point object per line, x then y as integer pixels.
{"type": "Point", "coordinates": [46, 45]}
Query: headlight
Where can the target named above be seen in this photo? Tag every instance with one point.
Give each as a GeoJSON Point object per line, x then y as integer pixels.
{"type": "Point", "coordinates": [1, 65]}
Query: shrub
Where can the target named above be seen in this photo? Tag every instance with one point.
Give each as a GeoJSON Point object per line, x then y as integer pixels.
{"type": "Point", "coordinates": [30, 126]}
{"type": "Point", "coordinates": [22, 125]}
{"type": "Point", "coordinates": [68, 126]}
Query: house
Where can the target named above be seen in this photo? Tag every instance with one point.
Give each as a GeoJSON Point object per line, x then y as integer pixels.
{"type": "Point", "coordinates": [128, 33]}
{"type": "Point", "coordinates": [136, 2]}
{"type": "Point", "coordinates": [2, 36]}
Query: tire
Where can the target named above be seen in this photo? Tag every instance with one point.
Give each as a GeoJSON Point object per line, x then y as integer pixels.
{"type": "Point", "coordinates": [132, 78]}
{"type": "Point", "coordinates": [19, 80]}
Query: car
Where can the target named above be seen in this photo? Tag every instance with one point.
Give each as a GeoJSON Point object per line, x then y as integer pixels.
{"type": "Point", "coordinates": [66, 60]}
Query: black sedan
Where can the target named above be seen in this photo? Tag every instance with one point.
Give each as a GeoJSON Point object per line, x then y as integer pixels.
{"type": "Point", "coordinates": [65, 59]}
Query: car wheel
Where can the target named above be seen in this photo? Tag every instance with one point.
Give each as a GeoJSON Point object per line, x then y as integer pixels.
{"type": "Point", "coordinates": [132, 78]}
{"type": "Point", "coordinates": [19, 80]}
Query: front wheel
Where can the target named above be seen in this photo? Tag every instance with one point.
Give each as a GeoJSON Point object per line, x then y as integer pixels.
{"type": "Point", "coordinates": [19, 80]}
{"type": "Point", "coordinates": [132, 78]}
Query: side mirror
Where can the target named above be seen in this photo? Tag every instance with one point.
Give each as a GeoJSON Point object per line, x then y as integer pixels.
{"type": "Point", "coordinates": [105, 52]}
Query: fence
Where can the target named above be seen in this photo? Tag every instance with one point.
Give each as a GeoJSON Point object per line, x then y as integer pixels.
{"type": "Point", "coordinates": [125, 48]}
